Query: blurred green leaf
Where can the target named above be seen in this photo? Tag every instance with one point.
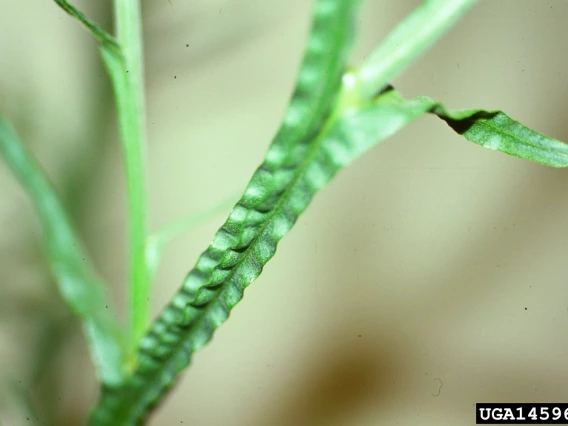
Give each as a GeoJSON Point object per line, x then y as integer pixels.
{"type": "Point", "coordinates": [78, 284]}
{"type": "Point", "coordinates": [409, 39]}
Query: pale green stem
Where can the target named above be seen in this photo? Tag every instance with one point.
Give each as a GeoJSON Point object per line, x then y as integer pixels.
{"type": "Point", "coordinates": [131, 117]}
{"type": "Point", "coordinates": [408, 41]}
{"type": "Point", "coordinates": [156, 243]}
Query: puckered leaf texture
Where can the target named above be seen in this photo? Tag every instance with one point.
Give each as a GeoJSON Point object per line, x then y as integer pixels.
{"type": "Point", "coordinates": [295, 167]}
{"type": "Point", "coordinates": [318, 137]}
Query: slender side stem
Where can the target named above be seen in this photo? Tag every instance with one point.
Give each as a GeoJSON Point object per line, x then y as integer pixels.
{"type": "Point", "coordinates": [157, 242]}
{"type": "Point", "coordinates": [408, 41]}
{"type": "Point", "coordinates": [176, 228]}
{"type": "Point", "coordinates": [131, 116]}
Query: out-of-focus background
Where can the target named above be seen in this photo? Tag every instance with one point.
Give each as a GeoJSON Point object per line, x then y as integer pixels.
{"type": "Point", "coordinates": [428, 276]}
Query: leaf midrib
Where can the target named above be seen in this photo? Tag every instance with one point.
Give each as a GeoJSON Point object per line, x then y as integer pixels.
{"type": "Point", "coordinates": [522, 142]}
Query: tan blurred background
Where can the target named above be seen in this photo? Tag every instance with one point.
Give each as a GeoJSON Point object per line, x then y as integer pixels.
{"type": "Point", "coordinates": [430, 261]}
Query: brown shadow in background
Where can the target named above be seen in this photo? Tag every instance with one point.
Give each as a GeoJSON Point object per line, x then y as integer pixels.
{"type": "Point", "coordinates": [343, 379]}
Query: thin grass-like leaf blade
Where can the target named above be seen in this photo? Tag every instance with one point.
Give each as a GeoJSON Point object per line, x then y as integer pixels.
{"type": "Point", "coordinates": [77, 282]}
{"type": "Point", "coordinates": [496, 130]}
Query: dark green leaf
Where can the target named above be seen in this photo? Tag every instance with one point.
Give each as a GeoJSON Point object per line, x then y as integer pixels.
{"type": "Point", "coordinates": [278, 193]}
{"type": "Point", "coordinates": [295, 167]}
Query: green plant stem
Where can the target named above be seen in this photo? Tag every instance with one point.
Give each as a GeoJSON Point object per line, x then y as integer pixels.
{"type": "Point", "coordinates": [157, 242]}
{"type": "Point", "coordinates": [408, 41]}
{"type": "Point", "coordinates": [131, 117]}
{"type": "Point", "coordinates": [173, 230]}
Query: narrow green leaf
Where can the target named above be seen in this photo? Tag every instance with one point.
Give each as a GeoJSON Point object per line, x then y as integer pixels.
{"type": "Point", "coordinates": [104, 38]}
{"type": "Point", "coordinates": [496, 130]}
{"type": "Point", "coordinates": [278, 193]}
{"type": "Point", "coordinates": [111, 52]}
{"type": "Point", "coordinates": [295, 167]}
{"type": "Point", "coordinates": [273, 201]}
{"type": "Point", "coordinates": [492, 129]}
{"type": "Point", "coordinates": [78, 284]}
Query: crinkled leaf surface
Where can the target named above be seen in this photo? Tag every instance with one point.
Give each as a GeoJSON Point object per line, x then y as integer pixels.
{"type": "Point", "coordinates": [78, 283]}
{"type": "Point", "coordinates": [278, 193]}
{"type": "Point", "coordinates": [295, 167]}
{"type": "Point", "coordinates": [313, 143]}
